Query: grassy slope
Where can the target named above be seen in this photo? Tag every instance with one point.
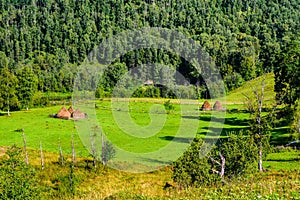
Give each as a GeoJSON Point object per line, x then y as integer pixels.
{"type": "Point", "coordinates": [238, 95]}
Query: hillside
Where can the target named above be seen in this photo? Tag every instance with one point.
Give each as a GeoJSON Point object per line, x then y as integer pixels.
{"type": "Point", "coordinates": [239, 95]}
{"type": "Point", "coordinates": [53, 37]}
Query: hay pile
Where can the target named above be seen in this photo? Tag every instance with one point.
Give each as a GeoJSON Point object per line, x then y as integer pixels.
{"type": "Point", "coordinates": [218, 106]}
{"type": "Point", "coordinates": [206, 106]}
{"type": "Point", "coordinates": [69, 113]}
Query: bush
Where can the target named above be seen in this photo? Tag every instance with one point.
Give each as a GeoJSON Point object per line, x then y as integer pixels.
{"type": "Point", "coordinates": [238, 152]}
{"type": "Point", "coordinates": [169, 107]}
{"type": "Point", "coordinates": [108, 152]}
{"type": "Point", "coordinates": [191, 170]}
{"type": "Point", "coordinates": [17, 180]}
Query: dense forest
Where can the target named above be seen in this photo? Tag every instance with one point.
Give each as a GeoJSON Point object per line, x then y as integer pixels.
{"type": "Point", "coordinates": [47, 40]}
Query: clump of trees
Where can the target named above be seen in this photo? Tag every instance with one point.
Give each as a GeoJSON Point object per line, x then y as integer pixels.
{"type": "Point", "coordinates": [18, 90]}
{"type": "Point", "coordinates": [230, 157]}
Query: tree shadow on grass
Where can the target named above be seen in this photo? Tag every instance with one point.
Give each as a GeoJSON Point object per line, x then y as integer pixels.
{"type": "Point", "coordinates": [177, 139]}
{"type": "Point", "coordinates": [3, 114]}
{"type": "Point", "coordinates": [209, 139]}
{"type": "Point", "coordinates": [224, 131]}
{"type": "Point", "coordinates": [235, 110]}
{"type": "Point", "coordinates": [233, 121]}
{"type": "Point", "coordinates": [280, 136]}
{"type": "Point", "coordinates": [191, 117]}
{"type": "Point", "coordinates": [151, 160]}
{"type": "Point", "coordinates": [281, 160]}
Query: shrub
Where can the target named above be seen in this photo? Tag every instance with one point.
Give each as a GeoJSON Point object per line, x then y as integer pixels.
{"type": "Point", "coordinates": [240, 153]}
{"type": "Point", "coordinates": [108, 151]}
{"type": "Point", "coordinates": [191, 170]}
{"type": "Point", "coordinates": [17, 180]}
{"type": "Point", "coordinates": [168, 106]}
{"type": "Point", "coordinates": [235, 155]}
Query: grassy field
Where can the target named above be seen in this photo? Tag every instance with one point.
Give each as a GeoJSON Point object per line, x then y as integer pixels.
{"type": "Point", "coordinates": [183, 124]}
{"type": "Point", "coordinates": [179, 127]}
{"type": "Point", "coordinates": [164, 146]}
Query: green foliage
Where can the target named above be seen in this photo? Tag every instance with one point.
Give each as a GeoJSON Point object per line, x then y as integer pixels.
{"type": "Point", "coordinates": [18, 181]}
{"type": "Point", "coordinates": [260, 123]}
{"type": "Point", "coordinates": [8, 93]}
{"type": "Point", "coordinates": [27, 87]}
{"type": "Point", "coordinates": [147, 91]}
{"type": "Point", "coordinates": [112, 76]}
{"type": "Point", "coordinates": [191, 169]}
{"type": "Point", "coordinates": [108, 151]}
{"type": "Point", "coordinates": [39, 99]}
{"type": "Point", "coordinates": [287, 73]}
{"type": "Point", "coordinates": [169, 106]}
{"type": "Point", "coordinates": [234, 80]}
{"type": "Point", "coordinates": [55, 36]}
{"type": "Point", "coordinates": [295, 121]}
{"type": "Point", "coordinates": [240, 152]}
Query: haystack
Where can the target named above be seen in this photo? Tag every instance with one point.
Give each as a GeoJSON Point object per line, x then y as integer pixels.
{"type": "Point", "coordinates": [63, 113]}
{"type": "Point", "coordinates": [206, 106]}
{"type": "Point", "coordinates": [218, 106]}
{"type": "Point", "coordinates": [70, 109]}
{"type": "Point", "coordinates": [77, 114]}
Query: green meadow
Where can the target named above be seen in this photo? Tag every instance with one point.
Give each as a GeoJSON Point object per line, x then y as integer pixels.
{"type": "Point", "coordinates": [139, 126]}
{"type": "Point", "coordinates": [38, 126]}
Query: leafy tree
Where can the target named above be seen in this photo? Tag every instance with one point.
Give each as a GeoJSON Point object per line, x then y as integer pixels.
{"type": "Point", "coordinates": [295, 122]}
{"type": "Point", "coordinates": [112, 75]}
{"type": "Point", "coordinates": [8, 97]}
{"type": "Point", "coordinates": [27, 86]}
{"type": "Point", "coordinates": [3, 60]}
{"type": "Point", "coordinates": [239, 150]}
{"type": "Point", "coordinates": [230, 157]}
{"type": "Point", "coordinates": [169, 106]}
{"type": "Point", "coordinates": [260, 123]}
{"type": "Point", "coordinates": [287, 73]}
{"type": "Point", "coordinates": [242, 35]}
{"type": "Point", "coordinates": [107, 151]}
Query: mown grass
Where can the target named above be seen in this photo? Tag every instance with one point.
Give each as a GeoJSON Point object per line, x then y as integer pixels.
{"type": "Point", "coordinates": [179, 127]}
{"type": "Point", "coordinates": [283, 160]}
{"type": "Point", "coordinates": [38, 126]}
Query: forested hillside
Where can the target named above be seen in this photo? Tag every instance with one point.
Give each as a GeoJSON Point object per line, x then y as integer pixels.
{"type": "Point", "coordinates": [52, 37]}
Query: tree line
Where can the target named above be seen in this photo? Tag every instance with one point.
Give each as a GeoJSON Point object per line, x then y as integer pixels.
{"type": "Point", "coordinates": [242, 37]}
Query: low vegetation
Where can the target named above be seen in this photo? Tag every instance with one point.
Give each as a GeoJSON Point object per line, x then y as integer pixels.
{"type": "Point", "coordinates": [54, 181]}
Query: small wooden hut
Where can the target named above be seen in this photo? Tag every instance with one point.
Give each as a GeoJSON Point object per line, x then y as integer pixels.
{"type": "Point", "coordinates": [63, 113]}
{"type": "Point", "coordinates": [78, 114]}
{"type": "Point", "coordinates": [149, 82]}
{"type": "Point", "coordinates": [218, 106]}
{"type": "Point", "coordinates": [206, 106]}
